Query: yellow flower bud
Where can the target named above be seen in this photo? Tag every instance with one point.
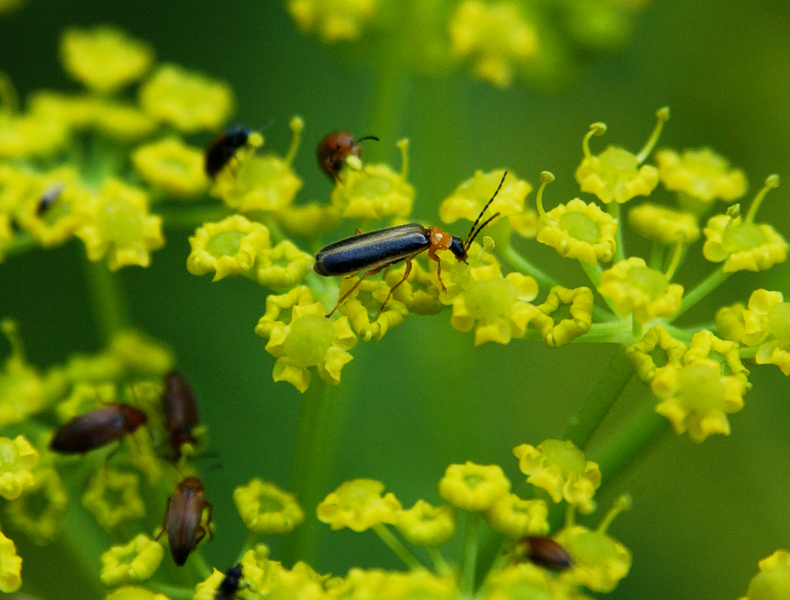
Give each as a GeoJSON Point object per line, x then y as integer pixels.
{"type": "Point", "coordinates": [135, 562]}
{"type": "Point", "coordinates": [517, 518]}
{"type": "Point", "coordinates": [473, 487]}
{"type": "Point", "coordinates": [427, 525]}
{"type": "Point", "coordinates": [229, 247]}
{"type": "Point", "coordinates": [113, 498]}
{"type": "Point", "coordinates": [17, 459]}
{"type": "Point", "coordinates": [579, 303]}
{"type": "Point", "coordinates": [358, 505]}
{"type": "Point", "coordinates": [172, 166]}
{"type": "Point", "coordinates": [265, 508]}
{"type": "Point", "coordinates": [10, 566]}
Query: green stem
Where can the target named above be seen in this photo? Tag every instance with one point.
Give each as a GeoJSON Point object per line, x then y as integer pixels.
{"type": "Point", "coordinates": [593, 273]}
{"type": "Point", "coordinates": [109, 305]}
{"type": "Point", "coordinates": [274, 229]}
{"type": "Point", "coordinates": [22, 243]}
{"type": "Point", "coordinates": [469, 564]}
{"type": "Point", "coordinates": [636, 328]}
{"type": "Point", "coordinates": [619, 252]}
{"type": "Point", "coordinates": [200, 566]}
{"type": "Point", "coordinates": [713, 281]}
{"type": "Point", "coordinates": [614, 332]}
{"type": "Point", "coordinates": [747, 352]}
{"type": "Point", "coordinates": [394, 544]}
{"type": "Point", "coordinates": [439, 564]}
{"type": "Point", "coordinates": [523, 266]}
{"type": "Point", "coordinates": [599, 401]}
{"type": "Point", "coordinates": [657, 256]}
{"type": "Point", "coordinates": [186, 217]}
{"type": "Point", "coordinates": [249, 544]}
{"type": "Point", "coordinates": [388, 98]}
{"type": "Point", "coordinates": [176, 593]}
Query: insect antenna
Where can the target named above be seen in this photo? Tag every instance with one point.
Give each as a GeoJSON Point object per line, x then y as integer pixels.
{"type": "Point", "coordinates": [368, 137]}
{"type": "Point", "coordinates": [472, 233]}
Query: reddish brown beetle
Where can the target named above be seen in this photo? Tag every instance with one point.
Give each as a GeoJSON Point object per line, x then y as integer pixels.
{"type": "Point", "coordinates": [183, 517]}
{"type": "Point", "coordinates": [335, 148]}
{"type": "Point", "coordinates": [180, 410]}
{"type": "Point", "coordinates": [544, 552]}
{"type": "Point", "coordinates": [97, 428]}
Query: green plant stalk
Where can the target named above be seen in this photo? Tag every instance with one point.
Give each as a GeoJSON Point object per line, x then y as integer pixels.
{"type": "Point", "coordinates": [523, 266]}
{"type": "Point", "coordinates": [397, 547]}
{"type": "Point", "coordinates": [713, 281]}
{"type": "Point", "coordinates": [619, 252]}
{"type": "Point", "coordinates": [387, 100]}
{"type": "Point", "coordinates": [189, 218]}
{"type": "Point", "coordinates": [175, 593]}
{"type": "Point", "coordinates": [107, 299]}
{"type": "Point", "coordinates": [469, 562]}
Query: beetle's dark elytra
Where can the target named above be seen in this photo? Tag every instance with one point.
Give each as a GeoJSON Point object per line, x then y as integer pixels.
{"type": "Point", "coordinates": [97, 428]}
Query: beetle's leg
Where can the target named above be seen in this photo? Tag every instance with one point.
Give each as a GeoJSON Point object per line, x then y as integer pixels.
{"type": "Point", "coordinates": [349, 292]}
{"type": "Point", "coordinates": [207, 504]}
{"type": "Point", "coordinates": [434, 257]}
{"type": "Point", "coordinates": [357, 231]}
{"type": "Point", "coordinates": [164, 520]}
{"type": "Point", "coordinates": [395, 287]}
{"type": "Point", "coordinates": [201, 534]}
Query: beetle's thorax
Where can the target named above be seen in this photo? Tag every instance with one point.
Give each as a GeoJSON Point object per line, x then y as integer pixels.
{"type": "Point", "coordinates": [440, 240]}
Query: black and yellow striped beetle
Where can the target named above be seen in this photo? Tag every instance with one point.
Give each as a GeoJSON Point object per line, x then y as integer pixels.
{"type": "Point", "coordinates": [368, 253]}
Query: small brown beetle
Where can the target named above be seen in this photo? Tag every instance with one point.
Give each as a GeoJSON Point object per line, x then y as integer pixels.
{"type": "Point", "coordinates": [180, 410]}
{"type": "Point", "coordinates": [183, 517]}
{"type": "Point", "coordinates": [335, 148]}
{"type": "Point", "coordinates": [97, 428]}
{"type": "Point", "coordinates": [544, 552]}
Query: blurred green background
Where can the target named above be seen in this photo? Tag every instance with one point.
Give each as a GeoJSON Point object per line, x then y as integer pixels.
{"type": "Point", "coordinates": [424, 396]}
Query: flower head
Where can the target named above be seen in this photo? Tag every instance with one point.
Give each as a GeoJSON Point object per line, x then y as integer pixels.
{"type": "Point", "coordinates": [561, 469]}
{"type": "Point", "coordinates": [368, 316]}
{"type": "Point", "coordinates": [663, 224]}
{"type": "Point", "coordinates": [528, 581]}
{"type": "Point", "coordinates": [172, 166]}
{"type": "Point", "coordinates": [104, 58]}
{"type": "Point", "coordinates": [113, 497]}
{"type": "Point", "coordinates": [358, 505]}
{"type": "Point", "coordinates": [473, 487]}
{"type": "Point", "coordinates": [17, 459]}
{"type": "Point", "coordinates": [564, 316]}
{"type": "Point", "coordinates": [132, 563]}
{"type": "Point", "coordinates": [766, 324]}
{"type": "Point", "coordinates": [283, 266]}
{"type": "Point", "coordinates": [135, 593]}
{"type": "Point", "coordinates": [32, 135]}
{"type": "Point", "coordinates": [654, 353]}
{"type": "Point", "coordinates": [615, 174]}
{"type": "Point", "coordinates": [498, 38]}
{"type": "Point", "coordinates": [375, 191]}
{"type": "Point", "coordinates": [187, 100]}
{"type": "Point", "coordinates": [634, 288]}
{"type": "Point", "coordinates": [517, 518]}
{"type": "Point", "coordinates": [38, 512]}
{"type": "Point", "coordinates": [308, 220]}
{"type": "Point", "coordinates": [427, 525]}
{"type": "Point", "coordinates": [701, 174]}
{"type": "Point", "coordinates": [265, 508]}
{"type": "Point", "coordinates": [773, 580]}
{"type": "Point", "coordinates": [419, 293]}
{"type": "Point", "coordinates": [120, 227]}
{"type": "Point", "coordinates": [334, 21]}
{"type": "Point", "coordinates": [307, 340]}
{"type": "Point", "coordinates": [229, 247]}
{"type": "Point", "coordinates": [10, 566]}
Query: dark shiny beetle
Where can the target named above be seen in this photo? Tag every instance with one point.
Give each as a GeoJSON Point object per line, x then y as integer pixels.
{"type": "Point", "coordinates": [335, 148]}
{"type": "Point", "coordinates": [544, 552]}
{"type": "Point", "coordinates": [230, 583]}
{"type": "Point", "coordinates": [221, 149]}
{"type": "Point", "coordinates": [182, 519]}
{"type": "Point", "coordinates": [97, 428]}
{"type": "Point", "coordinates": [180, 410]}
{"type": "Point", "coordinates": [48, 198]}
{"type": "Point", "coordinates": [368, 253]}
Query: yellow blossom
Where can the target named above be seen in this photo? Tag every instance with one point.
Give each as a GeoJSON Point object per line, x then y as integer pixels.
{"type": "Point", "coordinates": [427, 525]}
{"type": "Point", "coordinates": [599, 561]}
{"type": "Point", "coordinates": [528, 581]}
{"type": "Point", "coordinates": [767, 324]}
{"type": "Point", "coordinates": [120, 227]}
{"type": "Point", "coordinates": [260, 181]}
{"type": "Point", "coordinates": [229, 247]}
{"type": "Point", "coordinates": [731, 324]}
{"type": "Point", "coordinates": [701, 174]}
{"type": "Point", "coordinates": [10, 566]}
{"type": "Point", "coordinates": [663, 224]}
{"type": "Point", "coordinates": [172, 166]}
{"type": "Point", "coordinates": [307, 340]}
{"type": "Point", "coordinates": [113, 497]}
{"type": "Point", "coordinates": [416, 584]}
{"type": "Point", "coordinates": [561, 469]}
{"type": "Point", "coordinates": [308, 220]}
{"type": "Point", "coordinates": [575, 308]}
{"type": "Point", "coordinates": [77, 111]}
{"type": "Point", "coordinates": [131, 563]}
{"type": "Point", "coordinates": [265, 508]}
{"type": "Point", "coordinates": [140, 355]}
{"type": "Point", "coordinates": [706, 345]}
{"type": "Point", "coordinates": [134, 593]}
{"type": "Point", "coordinates": [17, 459]}
{"type": "Point", "coordinates": [38, 512]}
{"type": "Point", "coordinates": [333, 20]}
{"type": "Point", "coordinates": [773, 580]}
{"type": "Point", "coordinates": [634, 288]}
{"type": "Point", "coordinates": [259, 571]}
{"type": "Point", "coordinates": [498, 38]}
{"type": "Point", "coordinates": [104, 58]}
{"type": "Point", "coordinates": [419, 293]}
{"type": "Point", "coordinates": [32, 136]}
{"type": "Point", "coordinates": [365, 309]}
{"type": "Point", "coordinates": [473, 487]}
{"type": "Point", "coordinates": [615, 174]}
{"type": "Point", "coordinates": [375, 191]}
{"type": "Point", "coordinates": [517, 518]}
{"type": "Point", "coordinates": [187, 100]}
{"type": "Point", "coordinates": [358, 505]}
{"type": "Point", "coordinates": [283, 266]}
{"type": "Point", "coordinates": [654, 353]}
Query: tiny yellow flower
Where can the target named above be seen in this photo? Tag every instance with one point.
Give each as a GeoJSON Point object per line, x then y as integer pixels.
{"type": "Point", "coordinates": [634, 288]}
{"type": "Point", "coordinates": [517, 518]}
{"type": "Point", "coordinates": [17, 459]}
{"type": "Point", "coordinates": [419, 293]}
{"type": "Point", "coordinates": [561, 469]}
{"type": "Point", "coordinates": [528, 581]}
{"type": "Point", "coordinates": [135, 562]}
{"type": "Point", "coordinates": [307, 340]}
{"type": "Point", "coordinates": [731, 324]}
{"type": "Point", "coordinates": [187, 100]}
{"type": "Point", "coordinates": [416, 584]}
{"type": "Point", "coordinates": [10, 566]}
{"type": "Point", "coordinates": [113, 497]}
{"type": "Point", "coordinates": [104, 58]}
{"type": "Point", "coordinates": [121, 121]}
{"type": "Point", "coordinates": [172, 166]}
{"type": "Point", "coordinates": [39, 511]}
{"type": "Point", "coordinates": [427, 525]}
{"type": "Point", "coordinates": [599, 561]}
{"type": "Point", "coordinates": [283, 266]}
{"type": "Point", "coordinates": [655, 352]}
{"type": "Point", "coordinates": [773, 580]}
{"type": "Point", "coordinates": [578, 230]}
{"type": "Point", "coordinates": [473, 487]}
{"type": "Point", "coordinates": [358, 583]}
{"type": "Point", "coordinates": [702, 174]}
{"type": "Point", "coordinates": [77, 111]}
{"type": "Point", "coordinates": [615, 174]}
{"type": "Point", "coordinates": [375, 191]}
{"type": "Point", "coordinates": [265, 508]}
{"type": "Point", "coordinates": [140, 355]}
{"type": "Point", "coordinates": [706, 345]}
{"type": "Point", "coordinates": [309, 220]}
{"type": "Point", "coordinates": [498, 38]}
{"type": "Point", "coordinates": [33, 136]}
{"type": "Point", "coordinates": [767, 324]}
{"type": "Point", "coordinates": [575, 308]}
{"type": "Point", "coordinates": [229, 247]}
{"type": "Point", "coordinates": [333, 20]}
{"type": "Point", "coordinates": [135, 593]}
{"type": "Point", "coordinates": [120, 227]}
{"type": "Point", "coordinates": [358, 505]}
{"type": "Point", "coordinates": [664, 224]}
{"type": "Point", "coordinates": [697, 397]}
{"type": "Point", "coordinates": [363, 307]}
{"type": "Point", "coordinates": [260, 573]}
{"type": "Point", "coordinates": [207, 589]}
{"type": "Point", "coordinates": [260, 181]}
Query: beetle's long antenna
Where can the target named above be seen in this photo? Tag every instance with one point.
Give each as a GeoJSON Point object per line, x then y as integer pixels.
{"type": "Point", "coordinates": [472, 234]}
{"type": "Point", "coordinates": [479, 229]}
{"type": "Point", "coordinates": [368, 137]}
